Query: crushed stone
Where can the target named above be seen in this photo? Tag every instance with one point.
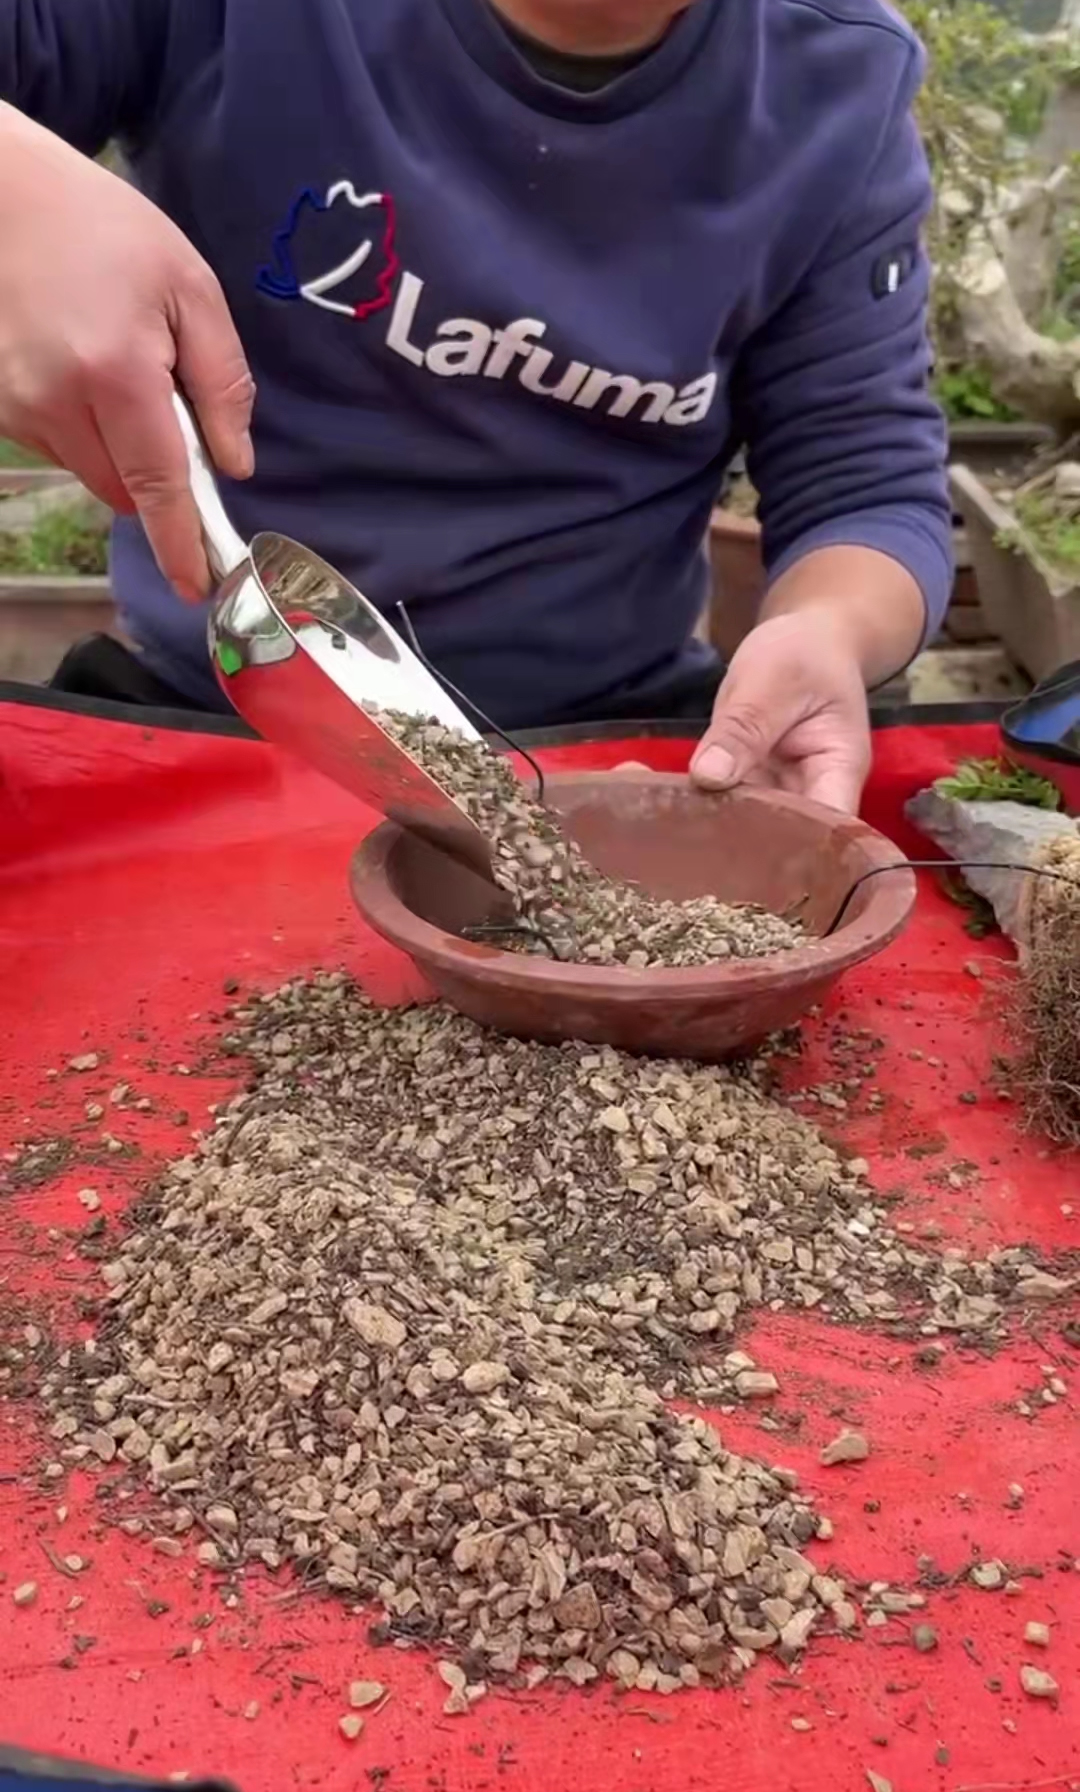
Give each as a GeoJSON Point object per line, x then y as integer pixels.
{"type": "Point", "coordinates": [583, 914]}
{"type": "Point", "coordinates": [410, 1318]}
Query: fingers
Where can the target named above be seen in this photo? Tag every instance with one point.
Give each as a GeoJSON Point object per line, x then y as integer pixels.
{"type": "Point", "coordinates": [90, 346]}
{"type": "Point", "coordinates": [214, 374]}
{"type": "Point", "coordinates": [754, 710]}
{"type": "Point", "coordinates": [836, 781]}
{"type": "Point", "coordinates": [791, 712]}
{"type": "Point", "coordinates": [143, 441]}
{"type": "Point", "coordinates": [79, 449]}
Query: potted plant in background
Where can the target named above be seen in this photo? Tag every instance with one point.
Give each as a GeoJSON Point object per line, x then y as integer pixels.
{"type": "Point", "coordinates": [1016, 293]}
{"type": "Point", "coordinates": [984, 107]}
{"type": "Point", "coordinates": [53, 572]}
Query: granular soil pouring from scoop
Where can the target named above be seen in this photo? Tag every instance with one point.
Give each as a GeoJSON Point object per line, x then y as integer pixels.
{"type": "Point", "coordinates": [409, 1321]}
{"type": "Point", "coordinates": [585, 915]}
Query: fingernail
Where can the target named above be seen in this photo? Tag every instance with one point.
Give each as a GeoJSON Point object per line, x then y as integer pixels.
{"type": "Point", "coordinates": [246, 456]}
{"type": "Point", "coordinates": [714, 765]}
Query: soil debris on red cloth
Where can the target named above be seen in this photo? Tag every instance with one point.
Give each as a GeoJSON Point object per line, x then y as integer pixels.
{"type": "Point", "coordinates": [411, 1317]}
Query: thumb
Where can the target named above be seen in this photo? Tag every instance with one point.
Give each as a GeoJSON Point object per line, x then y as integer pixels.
{"type": "Point", "coordinates": [750, 718]}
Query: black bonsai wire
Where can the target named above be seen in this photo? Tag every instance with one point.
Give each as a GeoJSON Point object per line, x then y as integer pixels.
{"type": "Point", "coordinates": [946, 865]}
{"type": "Point", "coordinates": [493, 930]}
{"type": "Point", "coordinates": [485, 720]}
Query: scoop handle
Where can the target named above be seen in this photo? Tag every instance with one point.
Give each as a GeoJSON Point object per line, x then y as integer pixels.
{"type": "Point", "coordinates": [225, 550]}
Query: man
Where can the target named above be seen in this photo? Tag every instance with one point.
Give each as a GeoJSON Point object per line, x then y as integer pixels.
{"type": "Point", "coordinates": [514, 279]}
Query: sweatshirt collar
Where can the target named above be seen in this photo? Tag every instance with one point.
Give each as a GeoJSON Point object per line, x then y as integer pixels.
{"type": "Point", "coordinates": [483, 36]}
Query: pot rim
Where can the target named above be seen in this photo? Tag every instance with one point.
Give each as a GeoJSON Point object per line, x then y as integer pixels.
{"type": "Point", "coordinates": [889, 906]}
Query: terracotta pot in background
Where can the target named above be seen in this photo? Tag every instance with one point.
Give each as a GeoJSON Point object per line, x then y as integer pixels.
{"type": "Point", "coordinates": [738, 578]}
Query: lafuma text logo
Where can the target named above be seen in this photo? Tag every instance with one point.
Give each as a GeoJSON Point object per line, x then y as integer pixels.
{"type": "Point", "coordinates": [337, 251]}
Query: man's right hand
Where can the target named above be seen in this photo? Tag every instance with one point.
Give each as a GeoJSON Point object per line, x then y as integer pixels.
{"type": "Point", "coordinates": [103, 305]}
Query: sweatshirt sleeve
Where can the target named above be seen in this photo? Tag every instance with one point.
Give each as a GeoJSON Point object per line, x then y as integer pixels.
{"type": "Point", "coordinates": [845, 445]}
{"type": "Point", "coordinates": [90, 70]}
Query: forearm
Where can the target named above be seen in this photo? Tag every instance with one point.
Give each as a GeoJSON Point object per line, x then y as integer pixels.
{"type": "Point", "coordinates": [865, 597]}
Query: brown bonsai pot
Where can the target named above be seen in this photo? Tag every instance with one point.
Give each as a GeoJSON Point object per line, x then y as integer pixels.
{"type": "Point", "coordinates": [752, 846]}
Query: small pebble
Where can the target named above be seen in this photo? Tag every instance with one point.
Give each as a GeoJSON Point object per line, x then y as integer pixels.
{"type": "Point", "coordinates": [925, 1638]}
{"type": "Point", "coordinates": [1039, 1634]}
{"type": "Point", "coordinates": [363, 1693]}
{"type": "Point", "coordinates": [26, 1593]}
{"type": "Point", "coordinates": [351, 1726]}
{"type": "Point", "coordinates": [756, 1384]}
{"type": "Point", "coordinates": [849, 1446]}
{"type": "Point", "coordinates": [1037, 1683]}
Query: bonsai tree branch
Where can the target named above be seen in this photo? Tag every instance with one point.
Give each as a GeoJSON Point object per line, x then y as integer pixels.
{"type": "Point", "coordinates": [1034, 373]}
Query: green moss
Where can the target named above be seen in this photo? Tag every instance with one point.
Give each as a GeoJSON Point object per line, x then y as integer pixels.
{"type": "Point", "coordinates": [61, 542]}
{"type": "Point", "coordinates": [1054, 532]}
{"type": "Point", "coordinates": [966, 396]}
{"type": "Point", "coordinates": [998, 781]}
{"type": "Point", "coordinates": [11, 455]}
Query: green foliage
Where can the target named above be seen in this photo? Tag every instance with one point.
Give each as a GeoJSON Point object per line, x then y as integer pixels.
{"type": "Point", "coordinates": [61, 542]}
{"type": "Point", "coordinates": [1063, 322]}
{"type": "Point", "coordinates": [965, 395]}
{"type": "Point", "coordinates": [11, 455]}
{"type": "Point", "coordinates": [998, 781]}
{"type": "Point", "coordinates": [986, 82]}
{"type": "Point", "coordinates": [1050, 526]}
{"type": "Point", "coordinates": [985, 93]}
{"type": "Point", "coordinates": [981, 921]}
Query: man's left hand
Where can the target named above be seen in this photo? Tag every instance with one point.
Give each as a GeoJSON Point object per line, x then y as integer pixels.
{"type": "Point", "coordinates": [792, 713]}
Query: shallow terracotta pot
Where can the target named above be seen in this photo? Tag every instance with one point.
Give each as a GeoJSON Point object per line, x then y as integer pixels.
{"type": "Point", "coordinates": [746, 846]}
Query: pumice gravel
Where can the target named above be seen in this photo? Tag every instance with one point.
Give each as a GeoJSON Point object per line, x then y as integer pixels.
{"type": "Point", "coordinates": [586, 916]}
{"type": "Point", "coordinates": [410, 1320]}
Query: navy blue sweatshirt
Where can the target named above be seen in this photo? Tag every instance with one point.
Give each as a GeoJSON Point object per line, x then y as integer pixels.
{"type": "Point", "coordinates": [506, 335]}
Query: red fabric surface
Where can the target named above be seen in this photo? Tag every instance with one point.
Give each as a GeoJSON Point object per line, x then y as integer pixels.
{"type": "Point", "coordinates": [138, 871]}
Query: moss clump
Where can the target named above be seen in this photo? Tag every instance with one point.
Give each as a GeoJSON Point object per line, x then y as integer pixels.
{"type": "Point", "coordinates": [61, 543]}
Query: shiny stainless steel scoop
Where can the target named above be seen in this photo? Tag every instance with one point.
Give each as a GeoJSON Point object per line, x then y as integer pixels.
{"type": "Point", "coordinates": [299, 653]}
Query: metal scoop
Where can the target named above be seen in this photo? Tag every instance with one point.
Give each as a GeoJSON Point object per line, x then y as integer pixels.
{"type": "Point", "coordinates": [300, 654]}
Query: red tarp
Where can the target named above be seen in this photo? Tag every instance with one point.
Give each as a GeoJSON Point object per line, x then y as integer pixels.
{"type": "Point", "coordinates": [140, 870]}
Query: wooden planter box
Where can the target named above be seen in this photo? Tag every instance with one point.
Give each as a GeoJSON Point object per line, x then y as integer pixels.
{"type": "Point", "coordinates": [735, 543]}
{"type": "Point", "coordinates": [1030, 607]}
{"type": "Point", "coordinates": [40, 618]}
{"type": "Point", "coordinates": [989, 448]}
